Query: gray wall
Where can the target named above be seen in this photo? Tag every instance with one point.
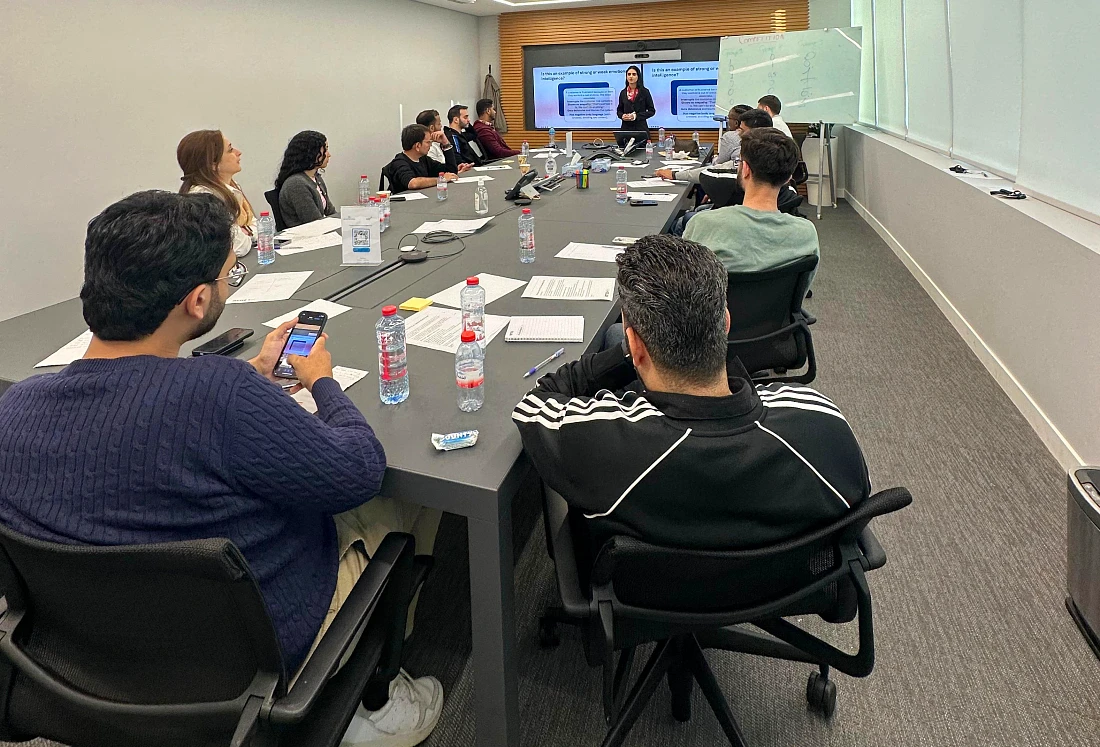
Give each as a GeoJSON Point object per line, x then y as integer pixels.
{"type": "Point", "coordinates": [1020, 292]}
{"type": "Point", "coordinates": [830, 13]}
{"type": "Point", "coordinates": [94, 97]}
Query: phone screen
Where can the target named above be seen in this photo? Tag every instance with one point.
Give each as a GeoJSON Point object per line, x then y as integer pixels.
{"type": "Point", "coordinates": [300, 342]}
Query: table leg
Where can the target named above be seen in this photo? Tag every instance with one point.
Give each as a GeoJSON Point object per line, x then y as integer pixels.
{"type": "Point", "coordinates": [492, 608]}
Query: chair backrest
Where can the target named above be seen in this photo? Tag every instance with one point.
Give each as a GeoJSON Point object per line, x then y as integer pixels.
{"type": "Point", "coordinates": [675, 586]}
{"type": "Point", "coordinates": [139, 626]}
{"type": "Point", "coordinates": [272, 196]}
{"type": "Point", "coordinates": [801, 174]}
{"type": "Point", "coordinates": [789, 200]}
{"type": "Point", "coordinates": [721, 187]}
{"type": "Point", "coordinates": [761, 304]}
{"type": "Point", "coordinates": [384, 178]}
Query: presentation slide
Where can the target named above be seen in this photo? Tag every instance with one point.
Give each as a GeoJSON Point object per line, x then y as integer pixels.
{"type": "Point", "coordinates": [578, 96]}
{"type": "Point", "coordinates": [585, 96]}
{"type": "Point", "coordinates": [683, 94]}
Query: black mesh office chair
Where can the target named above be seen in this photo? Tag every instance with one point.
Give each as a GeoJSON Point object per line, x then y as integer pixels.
{"type": "Point", "coordinates": [272, 197]}
{"type": "Point", "coordinates": [688, 601]}
{"type": "Point", "coordinates": [171, 645]}
{"type": "Point", "coordinates": [722, 188]}
{"type": "Point", "coordinates": [769, 330]}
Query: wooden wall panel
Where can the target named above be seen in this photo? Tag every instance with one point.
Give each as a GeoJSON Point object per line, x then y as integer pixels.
{"type": "Point", "coordinates": [671, 20]}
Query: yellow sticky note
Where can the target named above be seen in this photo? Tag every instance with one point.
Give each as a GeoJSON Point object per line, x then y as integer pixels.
{"type": "Point", "coordinates": [416, 304]}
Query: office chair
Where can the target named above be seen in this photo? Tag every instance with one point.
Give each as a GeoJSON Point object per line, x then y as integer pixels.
{"type": "Point", "coordinates": [687, 601]}
{"type": "Point", "coordinates": [769, 330]}
{"type": "Point", "coordinates": [385, 178]}
{"type": "Point", "coordinates": [723, 190]}
{"type": "Point", "coordinates": [171, 644]}
{"type": "Point", "coordinates": [272, 197]}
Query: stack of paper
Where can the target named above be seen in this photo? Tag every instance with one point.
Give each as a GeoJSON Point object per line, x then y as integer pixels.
{"type": "Point", "coordinates": [645, 183]}
{"type": "Point", "coordinates": [301, 244]}
{"type": "Point", "coordinates": [325, 307]}
{"type": "Point", "coordinates": [272, 286]}
{"type": "Point", "coordinates": [454, 226]}
{"type": "Point", "coordinates": [545, 329]}
{"type": "Point", "coordinates": [570, 288]}
{"type": "Point", "coordinates": [343, 375]}
{"type": "Point", "coordinates": [440, 329]}
{"type": "Point", "coordinates": [472, 179]}
{"type": "Point", "coordinates": [70, 352]}
{"type": "Point", "coordinates": [656, 196]}
{"type": "Point", "coordinates": [316, 228]}
{"type": "Point", "coordinates": [495, 287]}
{"type": "Point", "coordinates": [591, 252]}
{"type": "Point", "coordinates": [409, 197]}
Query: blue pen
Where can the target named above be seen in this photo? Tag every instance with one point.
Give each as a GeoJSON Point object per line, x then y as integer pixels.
{"type": "Point", "coordinates": [558, 354]}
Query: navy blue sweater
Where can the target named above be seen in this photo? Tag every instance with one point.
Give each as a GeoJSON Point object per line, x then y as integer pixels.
{"type": "Point", "coordinates": [144, 449]}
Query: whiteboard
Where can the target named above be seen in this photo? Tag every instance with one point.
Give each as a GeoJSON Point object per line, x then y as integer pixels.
{"type": "Point", "coordinates": [814, 73]}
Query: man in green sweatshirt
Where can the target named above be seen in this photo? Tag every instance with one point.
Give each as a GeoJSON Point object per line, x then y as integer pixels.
{"type": "Point", "coordinates": [755, 235]}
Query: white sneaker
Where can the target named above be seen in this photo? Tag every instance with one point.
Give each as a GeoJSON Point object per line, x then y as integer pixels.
{"type": "Point", "coordinates": [406, 719]}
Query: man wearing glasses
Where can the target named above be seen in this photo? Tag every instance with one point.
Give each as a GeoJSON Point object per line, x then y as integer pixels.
{"type": "Point", "coordinates": [133, 444]}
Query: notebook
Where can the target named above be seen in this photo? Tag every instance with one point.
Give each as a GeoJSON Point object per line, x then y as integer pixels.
{"type": "Point", "coordinates": [545, 329]}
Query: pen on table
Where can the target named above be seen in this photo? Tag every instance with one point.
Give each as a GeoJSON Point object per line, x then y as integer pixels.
{"type": "Point", "coordinates": [560, 352]}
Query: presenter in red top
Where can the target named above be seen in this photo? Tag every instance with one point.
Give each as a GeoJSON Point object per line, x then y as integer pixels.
{"type": "Point", "coordinates": [635, 102]}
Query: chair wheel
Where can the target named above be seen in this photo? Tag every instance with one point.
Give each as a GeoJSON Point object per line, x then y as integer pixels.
{"type": "Point", "coordinates": [821, 694]}
{"type": "Point", "coordinates": [548, 634]}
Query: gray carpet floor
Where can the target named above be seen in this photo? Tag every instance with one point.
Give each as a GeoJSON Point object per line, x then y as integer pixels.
{"type": "Point", "coordinates": [974, 645]}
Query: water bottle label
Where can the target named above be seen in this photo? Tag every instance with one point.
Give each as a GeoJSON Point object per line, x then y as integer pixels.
{"type": "Point", "coordinates": [470, 379]}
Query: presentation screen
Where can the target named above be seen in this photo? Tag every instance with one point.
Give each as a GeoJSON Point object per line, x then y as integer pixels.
{"type": "Point", "coordinates": [586, 96]}
{"type": "Point", "coordinates": [683, 94]}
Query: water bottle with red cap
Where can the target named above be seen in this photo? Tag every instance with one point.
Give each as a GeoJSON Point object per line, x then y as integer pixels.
{"type": "Point", "coordinates": [472, 300]}
{"type": "Point", "coordinates": [393, 372]}
{"type": "Point", "coordinates": [470, 373]}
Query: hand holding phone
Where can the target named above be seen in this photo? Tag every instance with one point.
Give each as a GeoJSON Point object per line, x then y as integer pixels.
{"type": "Point", "coordinates": [305, 334]}
{"type": "Point", "coordinates": [317, 365]}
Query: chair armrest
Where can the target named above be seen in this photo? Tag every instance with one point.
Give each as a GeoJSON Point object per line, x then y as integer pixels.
{"type": "Point", "coordinates": [807, 317]}
{"type": "Point", "coordinates": [799, 322]}
{"type": "Point", "coordinates": [560, 533]}
{"type": "Point", "coordinates": [872, 549]}
{"type": "Point", "coordinates": [344, 632]}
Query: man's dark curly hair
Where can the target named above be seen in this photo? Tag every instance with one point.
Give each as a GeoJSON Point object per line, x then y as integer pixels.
{"type": "Point", "coordinates": [305, 151]}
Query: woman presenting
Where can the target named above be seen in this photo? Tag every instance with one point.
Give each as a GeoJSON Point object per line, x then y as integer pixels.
{"type": "Point", "coordinates": [635, 102]}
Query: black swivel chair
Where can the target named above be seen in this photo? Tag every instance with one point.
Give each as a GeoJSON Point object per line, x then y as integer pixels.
{"type": "Point", "coordinates": [272, 197]}
{"type": "Point", "coordinates": [723, 190]}
{"type": "Point", "coordinates": [688, 601]}
{"type": "Point", "coordinates": [769, 330]}
{"type": "Point", "coordinates": [171, 645]}
{"type": "Point", "coordinates": [384, 178]}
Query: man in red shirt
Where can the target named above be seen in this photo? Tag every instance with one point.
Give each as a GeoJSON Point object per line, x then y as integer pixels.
{"type": "Point", "coordinates": [491, 141]}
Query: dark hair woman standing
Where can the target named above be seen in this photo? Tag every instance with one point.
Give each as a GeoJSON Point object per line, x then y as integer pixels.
{"type": "Point", "coordinates": [635, 102]}
{"type": "Point", "coordinates": [303, 196]}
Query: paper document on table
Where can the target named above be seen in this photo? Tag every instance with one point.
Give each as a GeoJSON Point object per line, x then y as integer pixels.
{"type": "Point", "coordinates": [644, 183]}
{"type": "Point", "coordinates": [325, 307]}
{"type": "Point", "coordinates": [440, 329]}
{"type": "Point", "coordinates": [272, 286]}
{"type": "Point", "coordinates": [541, 150]}
{"type": "Point", "coordinates": [495, 286]}
{"type": "Point", "coordinates": [498, 167]}
{"type": "Point", "coordinates": [309, 243]}
{"type": "Point", "coordinates": [541, 155]}
{"type": "Point", "coordinates": [314, 228]}
{"type": "Point", "coordinates": [687, 162]}
{"type": "Point", "coordinates": [545, 329]}
{"type": "Point", "coordinates": [70, 352]}
{"type": "Point", "coordinates": [592, 252]}
{"type": "Point", "coordinates": [472, 179]}
{"type": "Point", "coordinates": [343, 375]}
{"type": "Point", "coordinates": [655, 196]}
{"type": "Point", "coordinates": [570, 288]}
{"type": "Point", "coordinates": [626, 165]}
{"type": "Point", "coordinates": [408, 197]}
{"type": "Point", "coordinates": [454, 226]}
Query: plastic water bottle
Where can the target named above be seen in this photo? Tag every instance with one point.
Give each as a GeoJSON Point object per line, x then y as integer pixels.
{"type": "Point", "coordinates": [661, 137]}
{"type": "Point", "coordinates": [470, 373]}
{"type": "Point", "coordinates": [551, 137]}
{"type": "Point", "coordinates": [364, 189]}
{"type": "Point", "coordinates": [385, 209]}
{"type": "Point", "coordinates": [620, 185]}
{"type": "Point", "coordinates": [481, 197]}
{"type": "Point", "coordinates": [441, 188]}
{"type": "Point", "coordinates": [695, 137]}
{"type": "Point", "coordinates": [551, 164]}
{"type": "Point", "coordinates": [376, 203]}
{"type": "Point", "coordinates": [525, 149]}
{"type": "Point", "coordinates": [526, 237]}
{"type": "Point", "coordinates": [648, 151]}
{"type": "Point", "coordinates": [472, 299]}
{"type": "Point", "coordinates": [393, 371]}
{"type": "Point", "coordinates": [265, 242]}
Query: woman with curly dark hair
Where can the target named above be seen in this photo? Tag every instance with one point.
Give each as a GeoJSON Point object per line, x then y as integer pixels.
{"type": "Point", "coordinates": [303, 196]}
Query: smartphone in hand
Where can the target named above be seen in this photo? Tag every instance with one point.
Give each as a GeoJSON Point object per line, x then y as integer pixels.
{"type": "Point", "coordinates": [300, 342]}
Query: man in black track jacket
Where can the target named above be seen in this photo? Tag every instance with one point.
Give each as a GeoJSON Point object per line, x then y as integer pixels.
{"type": "Point", "coordinates": [657, 440]}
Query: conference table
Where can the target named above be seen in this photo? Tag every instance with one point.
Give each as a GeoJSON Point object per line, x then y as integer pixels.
{"type": "Point", "coordinates": [478, 483]}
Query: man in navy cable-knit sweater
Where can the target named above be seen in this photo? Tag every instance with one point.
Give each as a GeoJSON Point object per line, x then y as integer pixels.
{"type": "Point", "coordinates": [133, 444]}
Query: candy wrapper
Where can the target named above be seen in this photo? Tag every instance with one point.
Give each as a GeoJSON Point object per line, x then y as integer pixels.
{"type": "Point", "coordinates": [452, 441]}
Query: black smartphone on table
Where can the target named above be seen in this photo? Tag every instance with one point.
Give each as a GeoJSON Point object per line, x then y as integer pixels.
{"type": "Point", "coordinates": [224, 344]}
{"type": "Point", "coordinates": [302, 337]}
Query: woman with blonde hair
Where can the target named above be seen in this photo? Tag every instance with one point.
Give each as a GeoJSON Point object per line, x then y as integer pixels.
{"type": "Point", "coordinates": [209, 163]}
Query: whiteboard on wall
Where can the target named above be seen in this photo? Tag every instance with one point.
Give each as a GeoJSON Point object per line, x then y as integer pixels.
{"type": "Point", "coordinates": [814, 73]}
